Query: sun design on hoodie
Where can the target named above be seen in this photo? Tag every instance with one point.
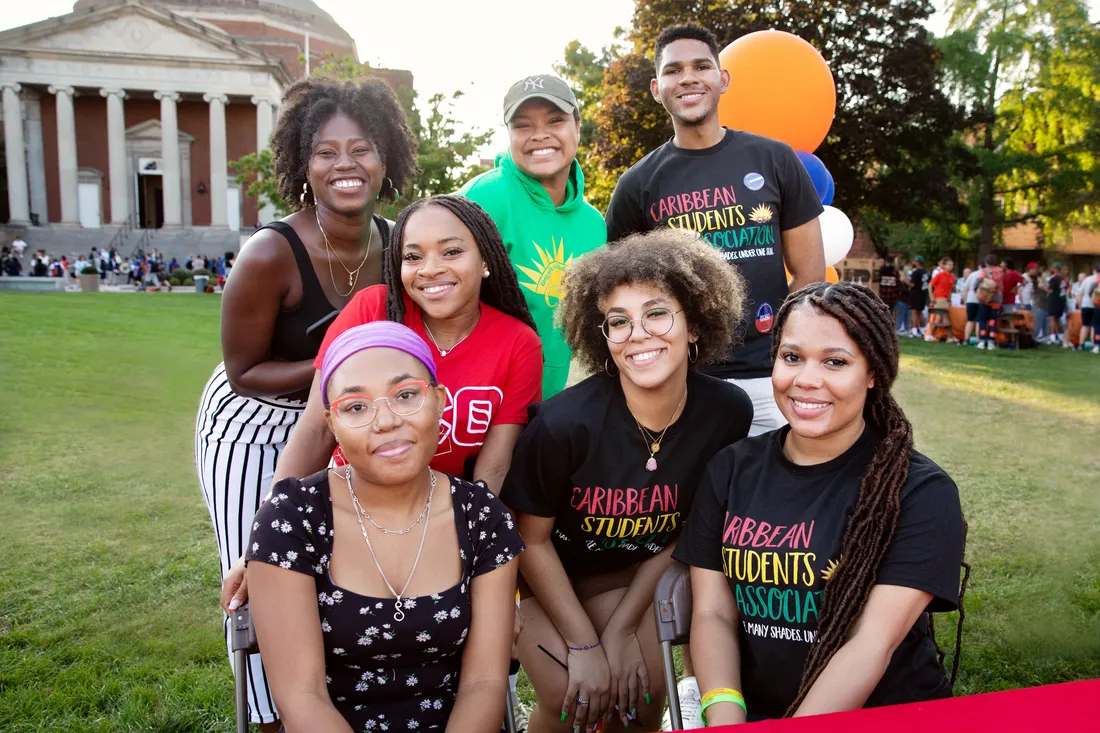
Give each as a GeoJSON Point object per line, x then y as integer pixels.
{"type": "Point", "coordinates": [549, 268]}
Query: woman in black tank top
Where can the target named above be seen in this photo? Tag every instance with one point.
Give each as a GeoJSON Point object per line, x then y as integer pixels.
{"type": "Point", "coordinates": [339, 147]}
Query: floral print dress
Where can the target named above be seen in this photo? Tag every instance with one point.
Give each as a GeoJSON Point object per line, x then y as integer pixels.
{"type": "Point", "coordinates": [385, 675]}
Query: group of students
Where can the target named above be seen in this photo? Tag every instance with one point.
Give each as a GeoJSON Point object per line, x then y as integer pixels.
{"type": "Point", "coordinates": [994, 288]}
{"type": "Point", "coordinates": [712, 416]}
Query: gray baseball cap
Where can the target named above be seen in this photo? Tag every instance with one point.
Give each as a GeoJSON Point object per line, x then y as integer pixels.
{"type": "Point", "coordinates": [539, 86]}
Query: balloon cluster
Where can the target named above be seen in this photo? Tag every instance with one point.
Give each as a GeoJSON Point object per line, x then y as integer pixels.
{"type": "Point", "coordinates": [794, 100]}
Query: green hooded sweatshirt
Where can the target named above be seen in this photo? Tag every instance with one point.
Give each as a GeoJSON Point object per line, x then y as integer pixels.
{"type": "Point", "coordinates": [541, 240]}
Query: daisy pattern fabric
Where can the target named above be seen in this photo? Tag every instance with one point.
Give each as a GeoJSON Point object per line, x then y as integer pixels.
{"type": "Point", "coordinates": [385, 675]}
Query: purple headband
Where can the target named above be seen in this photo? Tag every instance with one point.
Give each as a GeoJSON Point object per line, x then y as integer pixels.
{"type": "Point", "coordinates": [378, 334]}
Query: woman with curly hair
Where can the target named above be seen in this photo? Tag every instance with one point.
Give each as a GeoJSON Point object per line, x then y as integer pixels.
{"type": "Point", "coordinates": [603, 477]}
{"type": "Point", "coordinates": [338, 148]}
{"type": "Point", "coordinates": [817, 550]}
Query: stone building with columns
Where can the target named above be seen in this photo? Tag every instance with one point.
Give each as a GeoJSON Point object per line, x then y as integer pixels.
{"type": "Point", "coordinates": [120, 119]}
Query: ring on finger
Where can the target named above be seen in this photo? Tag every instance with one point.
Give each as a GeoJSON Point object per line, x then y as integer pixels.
{"type": "Point", "coordinates": [581, 701]}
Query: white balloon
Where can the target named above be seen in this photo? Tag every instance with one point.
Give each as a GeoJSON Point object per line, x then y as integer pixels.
{"type": "Point", "coordinates": [837, 235]}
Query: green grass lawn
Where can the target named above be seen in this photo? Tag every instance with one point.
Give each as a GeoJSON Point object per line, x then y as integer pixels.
{"type": "Point", "coordinates": [108, 615]}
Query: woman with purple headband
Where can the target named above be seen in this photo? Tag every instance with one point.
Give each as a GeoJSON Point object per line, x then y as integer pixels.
{"type": "Point", "coordinates": [379, 588]}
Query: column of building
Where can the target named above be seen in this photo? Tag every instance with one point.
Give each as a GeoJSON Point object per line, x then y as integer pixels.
{"type": "Point", "coordinates": [170, 159]}
{"type": "Point", "coordinates": [67, 167]}
{"type": "Point", "coordinates": [15, 156]}
{"type": "Point", "coordinates": [219, 161]}
{"type": "Point", "coordinates": [264, 123]}
{"type": "Point", "coordinates": [118, 178]}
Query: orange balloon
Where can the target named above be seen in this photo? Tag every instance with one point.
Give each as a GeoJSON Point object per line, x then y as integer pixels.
{"type": "Point", "coordinates": [780, 87]}
{"type": "Point", "coordinates": [831, 275]}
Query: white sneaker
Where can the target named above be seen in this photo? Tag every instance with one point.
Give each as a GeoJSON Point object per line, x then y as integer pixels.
{"type": "Point", "coordinates": [981, 345]}
{"type": "Point", "coordinates": [522, 715]}
{"type": "Point", "coordinates": [1096, 349]}
{"type": "Point", "coordinates": [691, 704]}
{"type": "Point", "coordinates": [992, 346]}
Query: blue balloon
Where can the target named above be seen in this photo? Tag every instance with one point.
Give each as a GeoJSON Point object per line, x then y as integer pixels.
{"type": "Point", "coordinates": [828, 200]}
{"type": "Point", "coordinates": [819, 174]}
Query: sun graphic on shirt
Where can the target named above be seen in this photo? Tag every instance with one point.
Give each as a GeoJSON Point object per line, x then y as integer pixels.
{"type": "Point", "coordinates": [761, 214]}
{"type": "Point", "coordinates": [829, 569]}
{"type": "Point", "coordinates": [549, 268]}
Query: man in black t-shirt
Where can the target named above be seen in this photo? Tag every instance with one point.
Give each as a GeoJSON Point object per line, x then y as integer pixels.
{"type": "Point", "coordinates": [918, 296]}
{"type": "Point", "coordinates": [747, 195]}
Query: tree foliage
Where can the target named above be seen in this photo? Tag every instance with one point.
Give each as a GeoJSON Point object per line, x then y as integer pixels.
{"type": "Point", "coordinates": [1028, 75]}
{"type": "Point", "coordinates": [444, 152]}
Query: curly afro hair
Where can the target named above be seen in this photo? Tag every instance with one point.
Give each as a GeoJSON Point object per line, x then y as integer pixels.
{"type": "Point", "coordinates": [309, 103]}
{"type": "Point", "coordinates": [675, 261]}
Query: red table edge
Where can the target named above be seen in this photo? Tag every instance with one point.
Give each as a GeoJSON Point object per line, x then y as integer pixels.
{"type": "Point", "coordinates": [1070, 706]}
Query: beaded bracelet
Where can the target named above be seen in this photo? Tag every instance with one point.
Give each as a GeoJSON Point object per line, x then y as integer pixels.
{"type": "Point", "coordinates": [582, 648]}
{"type": "Point", "coordinates": [722, 694]}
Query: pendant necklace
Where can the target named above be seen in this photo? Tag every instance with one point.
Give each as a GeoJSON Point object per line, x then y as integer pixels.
{"type": "Point", "coordinates": [426, 514]}
{"type": "Point", "coordinates": [353, 275]}
{"type": "Point", "coordinates": [653, 443]}
{"type": "Point", "coordinates": [444, 352]}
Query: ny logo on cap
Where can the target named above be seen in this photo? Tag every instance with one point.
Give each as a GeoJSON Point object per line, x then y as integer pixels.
{"type": "Point", "coordinates": [532, 82]}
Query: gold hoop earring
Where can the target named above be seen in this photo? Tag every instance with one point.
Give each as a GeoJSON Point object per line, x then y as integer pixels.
{"type": "Point", "coordinates": [607, 368]}
{"type": "Point", "coordinates": [693, 357]}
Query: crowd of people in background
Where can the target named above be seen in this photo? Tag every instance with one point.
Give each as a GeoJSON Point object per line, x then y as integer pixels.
{"type": "Point", "coordinates": [922, 300]}
{"type": "Point", "coordinates": [142, 270]}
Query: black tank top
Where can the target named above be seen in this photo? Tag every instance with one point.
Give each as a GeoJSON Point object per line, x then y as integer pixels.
{"type": "Point", "coordinates": [289, 340]}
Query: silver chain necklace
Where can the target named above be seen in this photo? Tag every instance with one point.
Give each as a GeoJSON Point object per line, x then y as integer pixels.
{"type": "Point", "coordinates": [399, 613]}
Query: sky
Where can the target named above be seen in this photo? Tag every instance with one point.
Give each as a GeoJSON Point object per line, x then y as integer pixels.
{"type": "Point", "coordinates": [467, 45]}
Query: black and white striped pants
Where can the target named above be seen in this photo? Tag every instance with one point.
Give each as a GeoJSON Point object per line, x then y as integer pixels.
{"type": "Point", "coordinates": [238, 440]}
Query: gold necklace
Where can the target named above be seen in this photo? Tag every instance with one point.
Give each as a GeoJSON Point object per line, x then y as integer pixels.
{"type": "Point", "coordinates": [353, 275]}
{"type": "Point", "coordinates": [653, 444]}
{"type": "Point", "coordinates": [444, 352]}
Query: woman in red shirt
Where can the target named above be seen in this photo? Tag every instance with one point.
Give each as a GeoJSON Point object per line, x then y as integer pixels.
{"type": "Point", "coordinates": [447, 276]}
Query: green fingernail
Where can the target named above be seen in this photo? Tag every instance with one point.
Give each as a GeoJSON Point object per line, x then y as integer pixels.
{"type": "Point", "coordinates": [633, 710]}
{"type": "Point", "coordinates": [576, 728]}
{"type": "Point", "coordinates": [647, 699]}
{"type": "Point", "coordinates": [564, 716]}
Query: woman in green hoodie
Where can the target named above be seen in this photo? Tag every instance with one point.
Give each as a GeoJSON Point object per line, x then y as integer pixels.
{"type": "Point", "coordinates": [535, 195]}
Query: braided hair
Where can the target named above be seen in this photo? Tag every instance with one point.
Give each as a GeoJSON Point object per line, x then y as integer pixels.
{"type": "Point", "coordinates": [311, 102]}
{"type": "Point", "coordinates": [870, 529]}
{"type": "Point", "coordinates": [500, 289]}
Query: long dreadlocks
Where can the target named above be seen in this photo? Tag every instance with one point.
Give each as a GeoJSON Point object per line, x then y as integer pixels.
{"type": "Point", "coordinates": [500, 289]}
{"type": "Point", "coordinates": [870, 528]}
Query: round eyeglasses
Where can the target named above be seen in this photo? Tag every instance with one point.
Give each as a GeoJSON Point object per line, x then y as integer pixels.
{"type": "Point", "coordinates": [359, 411]}
{"type": "Point", "coordinates": [655, 322]}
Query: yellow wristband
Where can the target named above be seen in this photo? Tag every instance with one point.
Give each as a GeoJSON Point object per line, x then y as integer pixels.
{"type": "Point", "coordinates": [721, 691]}
{"type": "Point", "coordinates": [718, 696]}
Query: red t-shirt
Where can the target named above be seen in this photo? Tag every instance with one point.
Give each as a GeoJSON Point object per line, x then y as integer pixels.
{"type": "Point", "coordinates": [942, 285]}
{"type": "Point", "coordinates": [1012, 281]}
{"type": "Point", "coordinates": [491, 377]}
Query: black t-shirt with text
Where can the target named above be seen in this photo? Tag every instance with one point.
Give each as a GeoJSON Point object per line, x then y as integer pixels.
{"type": "Point", "coordinates": [582, 460]}
{"type": "Point", "coordinates": [740, 195]}
{"type": "Point", "coordinates": [774, 529]}
{"type": "Point", "coordinates": [918, 287]}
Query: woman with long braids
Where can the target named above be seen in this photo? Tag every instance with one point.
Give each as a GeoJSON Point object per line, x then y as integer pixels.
{"type": "Point", "coordinates": [606, 472]}
{"type": "Point", "coordinates": [818, 550]}
{"type": "Point", "coordinates": [338, 148]}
